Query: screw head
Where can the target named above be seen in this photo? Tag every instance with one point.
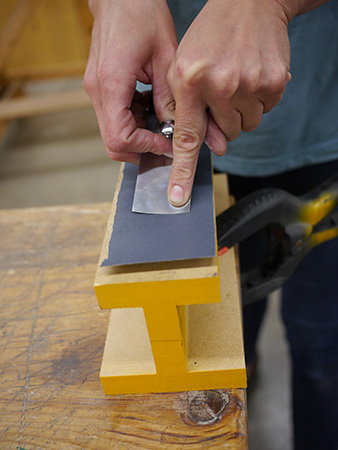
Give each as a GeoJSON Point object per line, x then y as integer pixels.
{"type": "Point", "coordinates": [167, 128]}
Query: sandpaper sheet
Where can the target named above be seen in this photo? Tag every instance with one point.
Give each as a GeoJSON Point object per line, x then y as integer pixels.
{"type": "Point", "coordinates": [145, 238]}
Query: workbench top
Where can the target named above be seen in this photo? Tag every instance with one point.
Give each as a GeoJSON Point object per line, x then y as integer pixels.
{"type": "Point", "coordinates": [52, 335]}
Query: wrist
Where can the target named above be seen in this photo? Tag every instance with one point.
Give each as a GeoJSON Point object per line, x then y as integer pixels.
{"type": "Point", "coordinates": [294, 8]}
{"type": "Point", "coordinates": [286, 9]}
{"type": "Point", "coordinates": [93, 4]}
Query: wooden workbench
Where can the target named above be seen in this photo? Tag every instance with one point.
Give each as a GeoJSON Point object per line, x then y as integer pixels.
{"type": "Point", "coordinates": [52, 335]}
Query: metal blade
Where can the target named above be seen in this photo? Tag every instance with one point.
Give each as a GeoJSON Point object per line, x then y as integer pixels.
{"type": "Point", "coordinates": [150, 195]}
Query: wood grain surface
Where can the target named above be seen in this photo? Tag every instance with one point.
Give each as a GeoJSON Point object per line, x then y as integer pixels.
{"type": "Point", "coordinates": [52, 335]}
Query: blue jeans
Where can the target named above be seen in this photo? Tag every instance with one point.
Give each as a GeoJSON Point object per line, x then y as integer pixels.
{"type": "Point", "coordinates": [310, 315]}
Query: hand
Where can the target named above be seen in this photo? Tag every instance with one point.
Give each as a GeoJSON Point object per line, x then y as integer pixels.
{"type": "Point", "coordinates": [131, 41]}
{"type": "Point", "coordinates": [230, 68]}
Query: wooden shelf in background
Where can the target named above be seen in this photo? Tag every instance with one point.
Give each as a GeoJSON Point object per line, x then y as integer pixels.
{"type": "Point", "coordinates": [28, 106]}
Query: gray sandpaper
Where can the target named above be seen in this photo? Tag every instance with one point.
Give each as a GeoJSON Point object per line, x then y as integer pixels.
{"type": "Point", "coordinates": [145, 238]}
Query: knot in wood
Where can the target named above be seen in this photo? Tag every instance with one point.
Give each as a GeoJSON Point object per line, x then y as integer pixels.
{"type": "Point", "coordinates": [207, 406]}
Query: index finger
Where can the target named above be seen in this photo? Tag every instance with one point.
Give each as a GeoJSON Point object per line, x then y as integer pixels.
{"type": "Point", "coordinates": [190, 129]}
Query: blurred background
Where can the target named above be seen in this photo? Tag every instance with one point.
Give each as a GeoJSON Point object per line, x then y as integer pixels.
{"type": "Point", "coordinates": [51, 153]}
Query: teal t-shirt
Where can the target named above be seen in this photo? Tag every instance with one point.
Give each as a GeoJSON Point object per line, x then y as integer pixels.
{"type": "Point", "coordinates": [303, 128]}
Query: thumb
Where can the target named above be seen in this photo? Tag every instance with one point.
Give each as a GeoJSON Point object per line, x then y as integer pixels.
{"type": "Point", "coordinates": [190, 130]}
{"type": "Point", "coordinates": [163, 99]}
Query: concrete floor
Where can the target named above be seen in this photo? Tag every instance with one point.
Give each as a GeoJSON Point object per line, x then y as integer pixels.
{"type": "Point", "coordinates": [60, 159]}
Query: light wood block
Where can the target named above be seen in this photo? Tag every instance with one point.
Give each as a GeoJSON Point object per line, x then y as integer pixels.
{"type": "Point", "coordinates": [175, 326]}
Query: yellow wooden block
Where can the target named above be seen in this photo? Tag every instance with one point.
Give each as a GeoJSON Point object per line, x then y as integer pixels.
{"type": "Point", "coordinates": [210, 357]}
{"type": "Point", "coordinates": [116, 290]}
{"type": "Point", "coordinates": [170, 331]}
{"type": "Point", "coordinates": [214, 332]}
{"type": "Point", "coordinates": [234, 378]}
{"type": "Point", "coordinates": [171, 374]}
{"type": "Point", "coordinates": [163, 321]}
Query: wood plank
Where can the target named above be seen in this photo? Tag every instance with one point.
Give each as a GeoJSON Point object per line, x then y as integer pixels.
{"type": "Point", "coordinates": [43, 104]}
{"type": "Point", "coordinates": [33, 72]}
{"type": "Point", "coordinates": [14, 27]}
{"type": "Point", "coordinates": [52, 338]}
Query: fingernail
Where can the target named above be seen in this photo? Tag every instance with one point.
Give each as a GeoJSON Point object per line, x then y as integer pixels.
{"type": "Point", "coordinates": [213, 145]}
{"type": "Point", "coordinates": [209, 142]}
{"type": "Point", "coordinates": [176, 195]}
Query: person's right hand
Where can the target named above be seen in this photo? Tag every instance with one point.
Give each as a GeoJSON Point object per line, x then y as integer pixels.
{"type": "Point", "coordinates": [231, 67]}
{"type": "Point", "coordinates": [131, 41]}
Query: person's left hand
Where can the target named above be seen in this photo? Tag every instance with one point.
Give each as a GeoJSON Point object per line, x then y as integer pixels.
{"type": "Point", "coordinates": [131, 41]}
